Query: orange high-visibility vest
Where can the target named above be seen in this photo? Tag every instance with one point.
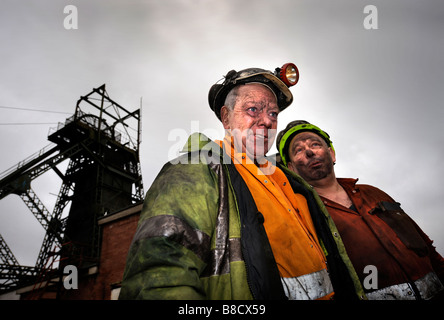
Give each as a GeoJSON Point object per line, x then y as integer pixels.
{"type": "Point", "coordinates": [290, 230]}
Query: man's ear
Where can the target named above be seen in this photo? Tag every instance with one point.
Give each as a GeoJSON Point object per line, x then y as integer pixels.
{"type": "Point", "coordinates": [333, 154]}
{"type": "Point", "coordinates": [224, 112]}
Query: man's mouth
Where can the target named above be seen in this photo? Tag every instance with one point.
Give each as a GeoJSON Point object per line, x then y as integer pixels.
{"type": "Point", "coordinates": [315, 164]}
{"type": "Point", "coordinates": [261, 136]}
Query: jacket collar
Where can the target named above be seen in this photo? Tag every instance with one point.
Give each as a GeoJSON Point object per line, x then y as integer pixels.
{"type": "Point", "coordinates": [199, 142]}
{"type": "Point", "coordinates": [347, 183]}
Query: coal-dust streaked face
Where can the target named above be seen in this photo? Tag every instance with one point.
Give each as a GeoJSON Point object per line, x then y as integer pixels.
{"type": "Point", "coordinates": [253, 121]}
{"type": "Point", "coordinates": [310, 157]}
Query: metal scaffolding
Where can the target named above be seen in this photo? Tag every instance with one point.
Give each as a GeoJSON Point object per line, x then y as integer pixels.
{"type": "Point", "coordinates": [101, 141]}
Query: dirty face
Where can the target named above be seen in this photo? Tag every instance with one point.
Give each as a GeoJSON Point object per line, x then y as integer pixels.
{"type": "Point", "coordinates": [310, 157]}
{"type": "Point", "coordinates": [252, 122]}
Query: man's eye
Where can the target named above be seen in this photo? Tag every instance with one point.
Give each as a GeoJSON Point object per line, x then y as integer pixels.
{"type": "Point", "coordinates": [252, 109]}
{"type": "Point", "coordinates": [274, 114]}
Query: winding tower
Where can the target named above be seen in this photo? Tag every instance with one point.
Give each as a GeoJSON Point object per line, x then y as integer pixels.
{"type": "Point", "coordinates": [100, 142]}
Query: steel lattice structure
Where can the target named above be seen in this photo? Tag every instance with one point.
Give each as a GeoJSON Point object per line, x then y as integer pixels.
{"type": "Point", "coordinates": [103, 176]}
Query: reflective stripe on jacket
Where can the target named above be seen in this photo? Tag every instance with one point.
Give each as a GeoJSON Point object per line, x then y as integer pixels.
{"type": "Point", "coordinates": [312, 286]}
{"type": "Point", "coordinates": [427, 287]}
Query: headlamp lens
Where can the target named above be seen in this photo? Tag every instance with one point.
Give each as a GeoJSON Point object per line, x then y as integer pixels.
{"type": "Point", "coordinates": [289, 74]}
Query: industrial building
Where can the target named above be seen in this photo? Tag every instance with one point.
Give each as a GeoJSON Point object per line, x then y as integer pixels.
{"type": "Point", "coordinates": [89, 231]}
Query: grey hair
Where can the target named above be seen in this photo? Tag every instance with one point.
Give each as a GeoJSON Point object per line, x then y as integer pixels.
{"type": "Point", "coordinates": [230, 100]}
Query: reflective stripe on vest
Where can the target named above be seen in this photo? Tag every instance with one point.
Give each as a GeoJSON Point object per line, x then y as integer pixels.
{"type": "Point", "coordinates": [308, 286]}
{"type": "Point", "coordinates": [428, 286]}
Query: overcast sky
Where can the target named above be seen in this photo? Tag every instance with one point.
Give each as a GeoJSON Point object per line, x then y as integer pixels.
{"type": "Point", "coordinates": [377, 92]}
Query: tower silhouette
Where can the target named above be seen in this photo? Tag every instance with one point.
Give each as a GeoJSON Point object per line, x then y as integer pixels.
{"type": "Point", "coordinates": [101, 143]}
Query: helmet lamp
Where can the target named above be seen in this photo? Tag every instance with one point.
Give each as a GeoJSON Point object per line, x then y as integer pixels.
{"type": "Point", "coordinates": [289, 74]}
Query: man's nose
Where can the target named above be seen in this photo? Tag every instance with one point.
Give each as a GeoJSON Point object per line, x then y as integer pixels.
{"type": "Point", "coordinates": [265, 120]}
{"type": "Point", "coordinates": [309, 152]}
